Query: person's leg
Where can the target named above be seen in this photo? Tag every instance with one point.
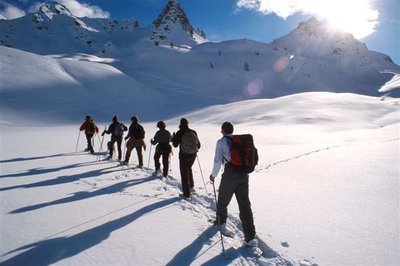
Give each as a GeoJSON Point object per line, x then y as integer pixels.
{"type": "Point", "coordinates": [165, 160]}
{"type": "Point", "coordinates": [112, 142]}
{"type": "Point", "coordinates": [184, 176]}
{"type": "Point", "coordinates": [190, 162]}
{"type": "Point", "coordinates": [226, 189]}
{"type": "Point", "coordinates": [119, 144]}
{"type": "Point", "coordinates": [157, 156]}
{"type": "Point", "coordinates": [140, 155]}
{"type": "Point", "coordinates": [246, 213]}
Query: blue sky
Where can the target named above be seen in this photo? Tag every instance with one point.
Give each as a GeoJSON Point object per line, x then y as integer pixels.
{"type": "Point", "coordinates": [262, 20]}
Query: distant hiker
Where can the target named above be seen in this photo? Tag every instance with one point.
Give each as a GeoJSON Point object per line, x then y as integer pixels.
{"type": "Point", "coordinates": [116, 129]}
{"type": "Point", "coordinates": [233, 181]}
{"type": "Point", "coordinates": [163, 149]}
{"type": "Point", "coordinates": [189, 145]}
{"type": "Point", "coordinates": [90, 129]}
{"type": "Point", "coordinates": [136, 140]}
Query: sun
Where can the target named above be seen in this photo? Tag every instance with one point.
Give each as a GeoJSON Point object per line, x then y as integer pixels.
{"type": "Point", "coordinates": [356, 16]}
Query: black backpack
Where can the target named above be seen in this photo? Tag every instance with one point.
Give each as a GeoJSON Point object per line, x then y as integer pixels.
{"type": "Point", "coordinates": [244, 155]}
{"type": "Point", "coordinates": [119, 129]}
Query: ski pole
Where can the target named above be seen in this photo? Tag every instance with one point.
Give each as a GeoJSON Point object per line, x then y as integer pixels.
{"type": "Point", "coordinates": [100, 141]}
{"type": "Point", "coordinates": [100, 149]}
{"type": "Point", "coordinates": [148, 162]}
{"type": "Point", "coordinates": [201, 172]}
{"type": "Point", "coordinates": [77, 142]}
{"type": "Point", "coordinates": [123, 154]}
{"type": "Point", "coordinates": [219, 224]}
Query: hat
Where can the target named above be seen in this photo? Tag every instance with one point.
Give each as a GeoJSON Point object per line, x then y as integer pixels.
{"type": "Point", "coordinates": [115, 118]}
{"type": "Point", "coordinates": [135, 118]}
{"type": "Point", "coordinates": [184, 121]}
{"type": "Point", "coordinates": [87, 117]}
{"type": "Point", "coordinates": [161, 124]}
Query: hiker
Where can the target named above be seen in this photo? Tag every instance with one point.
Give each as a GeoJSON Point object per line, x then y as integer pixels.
{"type": "Point", "coordinates": [116, 129]}
{"type": "Point", "coordinates": [136, 140]}
{"type": "Point", "coordinates": [90, 129]}
{"type": "Point", "coordinates": [163, 149]}
{"type": "Point", "coordinates": [232, 182]}
{"type": "Point", "coordinates": [189, 145]}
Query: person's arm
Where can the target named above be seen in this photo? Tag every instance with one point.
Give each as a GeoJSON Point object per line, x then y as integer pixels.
{"type": "Point", "coordinates": [176, 138]}
{"type": "Point", "coordinates": [156, 138]}
{"type": "Point", "coordinates": [83, 126]}
{"type": "Point", "coordinates": [222, 152]}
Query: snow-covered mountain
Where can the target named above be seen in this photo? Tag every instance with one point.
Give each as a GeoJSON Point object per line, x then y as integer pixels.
{"type": "Point", "coordinates": [172, 25]}
{"type": "Point", "coordinates": [173, 60]}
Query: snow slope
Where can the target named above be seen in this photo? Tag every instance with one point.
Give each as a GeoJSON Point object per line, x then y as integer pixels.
{"type": "Point", "coordinates": [326, 190]}
{"type": "Point", "coordinates": [172, 54]}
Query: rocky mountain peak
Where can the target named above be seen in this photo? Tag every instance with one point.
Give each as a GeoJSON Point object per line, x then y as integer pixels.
{"type": "Point", "coordinates": [171, 17]}
{"type": "Point", "coordinates": [54, 8]}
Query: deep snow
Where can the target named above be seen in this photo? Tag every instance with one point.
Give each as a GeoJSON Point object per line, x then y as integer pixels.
{"type": "Point", "coordinates": [326, 190]}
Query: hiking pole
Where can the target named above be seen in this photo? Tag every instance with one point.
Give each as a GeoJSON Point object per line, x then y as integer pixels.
{"type": "Point", "coordinates": [123, 154]}
{"type": "Point", "coordinates": [77, 142]}
{"type": "Point", "coordinates": [219, 224]}
{"type": "Point", "coordinates": [100, 148]}
{"type": "Point", "coordinates": [201, 172]}
{"type": "Point", "coordinates": [148, 162]}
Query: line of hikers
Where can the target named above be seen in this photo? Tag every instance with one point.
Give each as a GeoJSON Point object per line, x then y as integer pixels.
{"type": "Point", "coordinates": [229, 152]}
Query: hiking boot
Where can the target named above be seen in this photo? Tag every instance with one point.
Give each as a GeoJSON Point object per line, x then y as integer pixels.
{"type": "Point", "coordinates": [126, 163]}
{"type": "Point", "coordinates": [252, 243]}
{"type": "Point", "coordinates": [157, 172]}
{"type": "Point", "coordinates": [192, 190]}
{"type": "Point", "coordinates": [226, 231]}
{"type": "Point", "coordinates": [183, 196]}
{"type": "Point", "coordinates": [87, 149]}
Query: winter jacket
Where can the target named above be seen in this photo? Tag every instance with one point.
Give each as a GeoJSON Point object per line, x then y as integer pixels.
{"type": "Point", "coordinates": [111, 128]}
{"type": "Point", "coordinates": [163, 138]}
{"type": "Point", "coordinates": [89, 130]}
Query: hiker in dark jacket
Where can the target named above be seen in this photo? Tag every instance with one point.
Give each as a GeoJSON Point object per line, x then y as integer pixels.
{"type": "Point", "coordinates": [116, 129]}
{"type": "Point", "coordinates": [136, 140]}
{"type": "Point", "coordinates": [90, 129]}
{"type": "Point", "coordinates": [163, 149]}
{"type": "Point", "coordinates": [189, 144]}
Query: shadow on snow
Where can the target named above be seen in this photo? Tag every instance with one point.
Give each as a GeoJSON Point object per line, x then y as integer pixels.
{"type": "Point", "coordinates": [50, 251]}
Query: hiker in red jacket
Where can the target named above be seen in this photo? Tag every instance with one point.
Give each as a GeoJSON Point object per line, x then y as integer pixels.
{"type": "Point", "coordinates": [90, 129]}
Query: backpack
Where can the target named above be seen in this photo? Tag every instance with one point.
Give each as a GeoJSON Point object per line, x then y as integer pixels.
{"type": "Point", "coordinates": [90, 127]}
{"type": "Point", "coordinates": [138, 132]}
{"type": "Point", "coordinates": [189, 142]}
{"type": "Point", "coordinates": [244, 155]}
{"type": "Point", "coordinates": [118, 130]}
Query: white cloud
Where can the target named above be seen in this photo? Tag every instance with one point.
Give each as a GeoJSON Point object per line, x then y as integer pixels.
{"type": "Point", "coordinates": [78, 9]}
{"type": "Point", "coordinates": [354, 16]}
{"type": "Point", "coordinates": [10, 12]}
{"type": "Point", "coordinates": [85, 10]}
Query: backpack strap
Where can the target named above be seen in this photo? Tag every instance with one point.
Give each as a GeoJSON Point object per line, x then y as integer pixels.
{"type": "Point", "coordinates": [229, 140]}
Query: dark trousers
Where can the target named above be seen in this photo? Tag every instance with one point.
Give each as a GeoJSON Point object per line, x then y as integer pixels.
{"type": "Point", "coordinates": [238, 184]}
{"type": "Point", "coordinates": [165, 162]}
{"type": "Point", "coordinates": [89, 142]}
{"type": "Point", "coordinates": [185, 166]}
{"type": "Point", "coordinates": [118, 140]}
{"type": "Point", "coordinates": [138, 151]}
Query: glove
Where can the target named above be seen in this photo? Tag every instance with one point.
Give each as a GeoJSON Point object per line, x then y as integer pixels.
{"type": "Point", "coordinates": [212, 178]}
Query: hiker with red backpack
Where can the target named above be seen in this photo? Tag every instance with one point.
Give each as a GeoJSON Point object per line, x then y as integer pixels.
{"type": "Point", "coordinates": [239, 156]}
{"type": "Point", "coordinates": [116, 129]}
{"type": "Point", "coordinates": [90, 130]}
{"type": "Point", "coordinates": [136, 140]}
{"type": "Point", "coordinates": [189, 145]}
